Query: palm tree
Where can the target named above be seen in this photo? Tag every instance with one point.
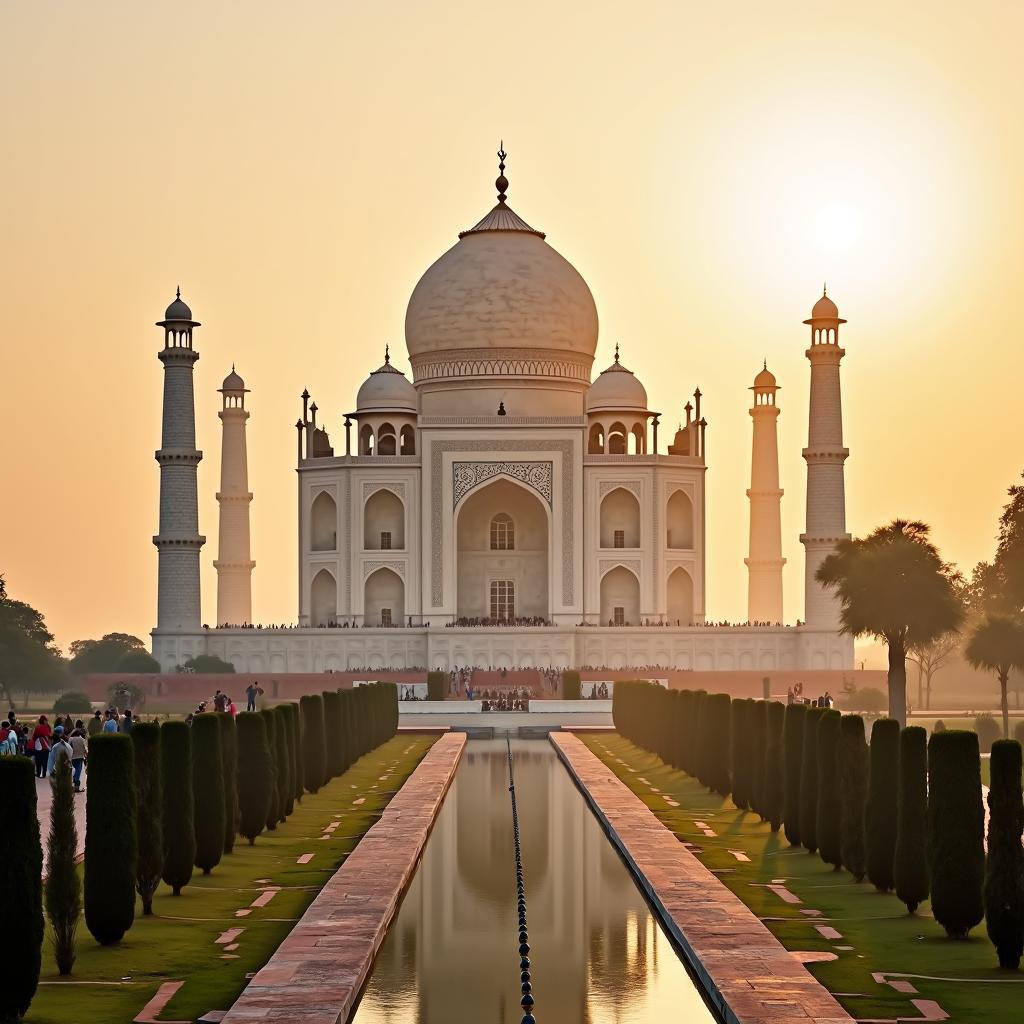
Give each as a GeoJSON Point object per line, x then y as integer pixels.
{"type": "Point", "coordinates": [996, 644]}
{"type": "Point", "coordinates": [893, 585]}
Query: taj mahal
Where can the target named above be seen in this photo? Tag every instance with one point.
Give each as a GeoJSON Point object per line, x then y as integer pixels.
{"type": "Point", "coordinates": [504, 507]}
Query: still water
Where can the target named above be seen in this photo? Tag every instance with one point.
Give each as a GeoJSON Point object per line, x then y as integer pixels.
{"type": "Point", "coordinates": [451, 956]}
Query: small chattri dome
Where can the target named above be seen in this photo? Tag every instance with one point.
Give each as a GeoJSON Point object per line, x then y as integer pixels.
{"type": "Point", "coordinates": [232, 382]}
{"type": "Point", "coordinates": [824, 309]}
{"type": "Point", "coordinates": [178, 310]}
{"type": "Point", "coordinates": [616, 389]}
{"type": "Point", "coordinates": [386, 389]}
{"type": "Point", "coordinates": [765, 379]}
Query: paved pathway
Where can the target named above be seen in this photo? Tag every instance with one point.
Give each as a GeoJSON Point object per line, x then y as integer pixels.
{"type": "Point", "coordinates": [44, 798]}
{"type": "Point", "coordinates": [749, 976]}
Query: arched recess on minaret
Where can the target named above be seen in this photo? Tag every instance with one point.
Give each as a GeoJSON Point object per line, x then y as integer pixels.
{"type": "Point", "coordinates": [679, 522]}
{"type": "Point", "coordinates": [620, 519]}
{"type": "Point", "coordinates": [323, 599]}
{"type": "Point", "coordinates": [679, 597]}
{"type": "Point", "coordinates": [384, 521]}
{"type": "Point", "coordinates": [323, 526]}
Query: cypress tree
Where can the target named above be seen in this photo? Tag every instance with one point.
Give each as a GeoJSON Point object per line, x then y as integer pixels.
{"type": "Point", "coordinates": [1004, 868]}
{"type": "Point", "coordinates": [758, 737]}
{"type": "Point", "coordinates": [853, 771]}
{"type": "Point", "coordinates": [146, 748]}
{"type": "Point", "coordinates": [956, 823]}
{"type": "Point", "coordinates": [718, 715]}
{"type": "Point", "coordinates": [910, 861]}
{"type": "Point", "coordinates": [283, 750]}
{"type": "Point", "coordinates": [772, 792]}
{"type": "Point", "coordinates": [435, 685]}
{"type": "Point", "coordinates": [740, 753]}
{"type": "Point", "coordinates": [111, 847]}
{"type": "Point", "coordinates": [229, 770]}
{"type": "Point", "coordinates": [21, 887]}
{"type": "Point", "coordinates": [255, 774]}
{"type": "Point", "coordinates": [270, 721]}
{"type": "Point", "coordinates": [881, 809]}
{"type": "Point", "coordinates": [829, 813]}
{"type": "Point", "coordinates": [699, 736]}
{"type": "Point", "coordinates": [296, 726]}
{"type": "Point", "coordinates": [333, 724]}
{"type": "Point", "coordinates": [178, 808]}
{"type": "Point", "coordinates": [809, 780]}
{"type": "Point", "coordinates": [793, 747]}
{"type": "Point", "coordinates": [208, 791]}
{"type": "Point", "coordinates": [311, 707]}
{"type": "Point", "coordinates": [63, 889]}
{"type": "Point", "coordinates": [571, 686]}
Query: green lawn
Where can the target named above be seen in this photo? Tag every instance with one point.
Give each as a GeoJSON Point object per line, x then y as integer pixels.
{"type": "Point", "coordinates": [111, 985]}
{"type": "Point", "coordinates": [961, 976]}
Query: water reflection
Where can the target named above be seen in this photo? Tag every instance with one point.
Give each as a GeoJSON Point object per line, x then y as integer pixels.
{"type": "Point", "coordinates": [598, 955]}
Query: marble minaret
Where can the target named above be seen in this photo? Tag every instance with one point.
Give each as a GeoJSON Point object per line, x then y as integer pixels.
{"type": "Point", "coordinates": [179, 542]}
{"type": "Point", "coordinates": [764, 565]}
{"type": "Point", "coordinates": [825, 455]}
{"type": "Point", "coordinates": [234, 566]}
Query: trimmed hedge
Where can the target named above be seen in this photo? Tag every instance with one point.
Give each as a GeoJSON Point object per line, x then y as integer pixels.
{"type": "Point", "coordinates": [296, 748]}
{"type": "Point", "coordinates": [699, 732]}
{"type": "Point", "coordinates": [773, 783]}
{"type": "Point", "coordinates": [435, 685]}
{"type": "Point", "coordinates": [111, 846]}
{"type": "Point", "coordinates": [208, 791]}
{"type": "Point", "coordinates": [956, 852]}
{"type": "Point", "coordinates": [178, 809]}
{"type": "Point", "coordinates": [21, 887]}
{"type": "Point", "coordinates": [829, 813]}
{"type": "Point", "coordinates": [284, 758]}
{"type": "Point", "coordinates": [149, 803]}
{"type": "Point", "coordinates": [759, 735]}
{"type": "Point", "coordinates": [793, 748]}
{"type": "Point", "coordinates": [270, 721]}
{"type": "Point", "coordinates": [853, 771]}
{"type": "Point", "coordinates": [740, 753]}
{"type": "Point", "coordinates": [333, 733]}
{"type": "Point", "coordinates": [910, 861]}
{"type": "Point", "coordinates": [255, 778]}
{"type": "Point", "coordinates": [63, 888]}
{"type": "Point", "coordinates": [314, 754]}
{"type": "Point", "coordinates": [881, 808]}
{"type": "Point", "coordinates": [809, 780]}
{"type": "Point", "coordinates": [571, 687]}
{"type": "Point", "coordinates": [229, 768]}
{"type": "Point", "coordinates": [1004, 868]}
{"type": "Point", "coordinates": [717, 720]}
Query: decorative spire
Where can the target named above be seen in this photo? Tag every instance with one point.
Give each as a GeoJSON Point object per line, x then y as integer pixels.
{"type": "Point", "coordinates": [766, 364]}
{"type": "Point", "coordinates": [387, 355]}
{"type": "Point", "coordinates": [501, 183]}
{"type": "Point", "coordinates": [177, 293]}
{"type": "Point", "coordinates": [616, 351]}
{"type": "Point", "coordinates": [824, 289]}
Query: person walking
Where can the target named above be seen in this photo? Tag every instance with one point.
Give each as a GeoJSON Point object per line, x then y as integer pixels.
{"type": "Point", "coordinates": [8, 738]}
{"type": "Point", "coordinates": [58, 749]}
{"type": "Point", "coordinates": [95, 723]}
{"type": "Point", "coordinates": [39, 744]}
{"type": "Point", "coordinates": [79, 753]}
{"type": "Point", "coordinates": [127, 721]}
{"type": "Point", "coordinates": [109, 721]}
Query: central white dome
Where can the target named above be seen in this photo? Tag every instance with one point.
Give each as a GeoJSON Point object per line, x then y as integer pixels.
{"type": "Point", "coordinates": [501, 302]}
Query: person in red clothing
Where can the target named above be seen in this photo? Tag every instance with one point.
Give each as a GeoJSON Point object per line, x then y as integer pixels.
{"type": "Point", "coordinates": [39, 745]}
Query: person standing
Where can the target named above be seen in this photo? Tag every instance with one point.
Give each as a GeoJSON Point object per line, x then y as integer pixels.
{"type": "Point", "coordinates": [95, 724]}
{"type": "Point", "coordinates": [251, 692]}
{"type": "Point", "coordinates": [39, 744]}
{"type": "Point", "coordinates": [79, 753]}
{"type": "Point", "coordinates": [232, 709]}
{"type": "Point", "coordinates": [127, 721]}
{"type": "Point", "coordinates": [109, 722]}
{"type": "Point", "coordinates": [60, 749]}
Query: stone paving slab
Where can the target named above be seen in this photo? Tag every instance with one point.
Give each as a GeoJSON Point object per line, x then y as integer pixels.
{"type": "Point", "coordinates": [319, 970]}
{"type": "Point", "coordinates": [747, 974]}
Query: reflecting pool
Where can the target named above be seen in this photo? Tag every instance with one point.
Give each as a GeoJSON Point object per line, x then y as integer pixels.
{"type": "Point", "coordinates": [598, 954]}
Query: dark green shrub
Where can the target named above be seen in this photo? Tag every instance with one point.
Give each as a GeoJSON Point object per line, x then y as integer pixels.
{"type": "Point", "coordinates": [988, 732]}
{"type": "Point", "coordinates": [758, 737]}
{"type": "Point", "coordinates": [809, 780]}
{"type": "Point", "coordinates": [436, 685]}
{"type": "Point", "coordinates": [111, 847]}
{"type": "Point", "coordinates": [881, 810]}
{"type": "Point", "coordinates": [63, 888]}
{"type": "Point", "coordinates": [940, 726]}
{"type": "Point", "coordinates": [853, 780]}
{"type": "Point", "coordinates": [910, 862]}
{"type": "Point", "coordinates": [149, 802]}
{"type": "Point", "coordinates": [1018, 732]}
{"type": "Point", "coordinates": [717, 718]}
{"type": "Point", "coordinates": [283, 752]}
{"type": "Point", "coordinates": [138, 662]}
{"type": "Point", "coordinates": [956, 822]}
{"type": "Point", "coordinates": [740, 752]}
{"type": "Point", "coordinates": [21, 888]}
{"type": "Point", "coordinates": [178, 811]}
{"type": "Point", "coordinates": [333, 729]}
{"type": "Point", "coordinates": [72, 702]}
{"type": "Point", "coordinates": [793, 752]}
{"type": "Point", "coordinates": [229, 769]}
{"type": "Point", "coordinates": [571, 686]}
{"type": "Point", "coordinates": [208, 663]}
{"type": "Point", "coordinates": [208, 791]}
{"type": "Point", "coordinates": [773, 783]}
{"type": "Point", "coordinates": [311, 707]}
{"type": "Point", "coordinates": [270, 721]}
{"type": "Point", "coordinates": [829, 814]}
{"type": "Point", "coordinates": [1004, 868]}
{"type": "Point", "coordinates": [255, 774]}
{"type": "Point", "coordinates": [869, 699]}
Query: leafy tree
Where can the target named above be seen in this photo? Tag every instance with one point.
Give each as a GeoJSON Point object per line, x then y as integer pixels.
{"type": "Point", "coordinates": [146, 744]}
{"type": "Point", "coordinates": [311, 707]}
{"type": "Point", "coordinates": [1004, 579]}
{"type": "Point", "coordinates": [229, 761]}
{"type": "Point", "coordinates": [103, 655]}
{"type": "Point", "coordinates": [111, 846]}
{"type": "Point", "coordinates": [956, 823]}
{"type": "Point", "coordinates": [139, 662]}
{"type": "Point", "coordinates": [930, 658]}
{"type": "Point", "coordinates": [853, 770]}
{"type": "Point", "coordinates": [28, 657]}
{"type": "Point", "coordinates": [893, 585]}
{"type": "Point", "coordinates": [208, 791]}
{"type": "Point", "coordinates": [881, 809]}
{"type": "Point", "coordinates": [773, 786]}
{"type": "Point", "coordinates": [996, 644]}
{"type": "Point", "coordinates": [910, 862]}
{"type": "Point", "coordinates": [178, 817]}
{"type": "Point", "coordinates": [809, 781]}
{"type": "Point", "coordinates": [793, 744]}
{"type": "Point", "coordinates": [284, 758]}
{"type": "Point", "coordinates": [208, 663]}
{"type": "Point", "coordinates": [829, 814]}
{"type": "Point", "coordinates": [867, 698]}
{"type": "Point", "coordinates": [1004, 868]}
{"type": "Point", "coordinates": [270, 721]}
{"type": "Point", "coordinates": [21, 888]}
{"type": "Point", "coordinates": [63, 888]}
{"type": "Point", "coordinates": [255, 774]}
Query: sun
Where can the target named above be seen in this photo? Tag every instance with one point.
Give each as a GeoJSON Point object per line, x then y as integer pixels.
{"type": "Point", "coordinates": [838, 226]}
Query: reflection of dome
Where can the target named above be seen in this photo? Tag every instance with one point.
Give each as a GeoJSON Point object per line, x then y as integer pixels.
{"type": "Point", "coordinates": [386, 389]}
{"type": "Point", "coordinates": [765, 379]}
{"type": "Point", "coordinates": [177, 310]}
{"type": "Point", "coordinates": [616, 388]}
{"type": "Point", "coordinates": [232, 382]}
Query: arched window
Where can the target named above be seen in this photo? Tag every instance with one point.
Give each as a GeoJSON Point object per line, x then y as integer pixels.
{"type": "Point", "coordinates": [323, 523]}
{"type": "Point", "coordinates": [616, 439]}
{"type": "Point", "coordinates": [503, 533]}
{"type": "Point", "coordinates": [679, 528]}
{"type": "Point", "coordinates": [596, 444]}
{"type": "Point", "coordinates": [366, 439]}
{"type": "Point", "coordinates": [386, 441]}
{"type": "Point", "coordinates": [408, 440]}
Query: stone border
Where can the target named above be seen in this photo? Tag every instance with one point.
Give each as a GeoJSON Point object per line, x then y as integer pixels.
{"type": "Point", "coordinates": [746, 973]}
{"type": "Point", "coordinates": [318, 972]}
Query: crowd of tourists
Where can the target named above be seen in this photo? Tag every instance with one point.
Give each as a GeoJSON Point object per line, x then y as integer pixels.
{"type": "Point", "coordinates": [514, 699]}
{"type": "Point", "coordinates": [795, 695]}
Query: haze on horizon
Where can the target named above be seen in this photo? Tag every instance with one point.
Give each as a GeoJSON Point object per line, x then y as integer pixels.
{"type": "Point", "coordinates": [295, 170]}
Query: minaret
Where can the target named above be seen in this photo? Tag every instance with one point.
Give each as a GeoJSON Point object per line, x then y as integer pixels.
{"type": "Point", "coordinates": [234, 566]}
{"type": "Point", "coordinates": [825, 455]}
{"type": "Point", "coordinates": [178, 542]}
{"type": "Point", "coordinates": [764, 566]}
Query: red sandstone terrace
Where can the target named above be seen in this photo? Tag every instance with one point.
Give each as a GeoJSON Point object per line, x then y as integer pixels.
{"type": "Point", "coordinates": [318, 971]}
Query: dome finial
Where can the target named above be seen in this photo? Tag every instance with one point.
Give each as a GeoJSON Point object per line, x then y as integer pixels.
{"type": "Point", "coordinates": [765, 364]}
{"type": "Point", "coordinates": [616, 351]}
{"type": "Point", "coordinates": [824, 289]}
{"type": "Point", "coordinates": [501, 183]}
{"type": "Point", "coordinates": [177, 292]}
{"type": "Point", "coordinates": [387, 355]}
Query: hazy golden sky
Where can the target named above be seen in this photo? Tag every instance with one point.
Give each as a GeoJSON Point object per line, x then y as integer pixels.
{"type": "Point", "coordinates": [295, 167]}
